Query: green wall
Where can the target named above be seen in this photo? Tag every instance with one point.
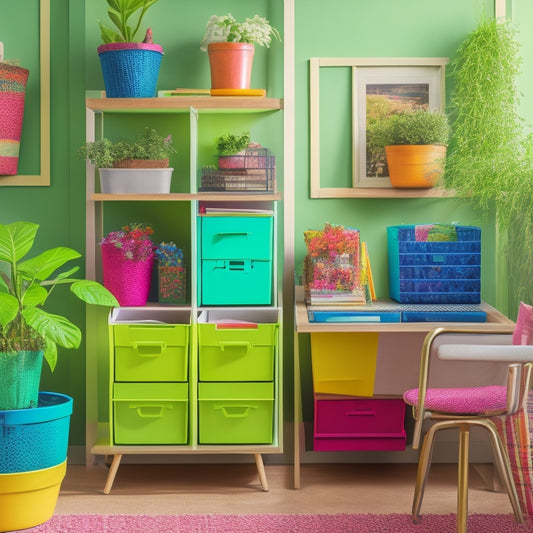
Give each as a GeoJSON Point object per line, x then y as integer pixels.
{"type": "Point", "coordinates": [337, 28]}
{"type": "Point", "coordinates": [374, 29]}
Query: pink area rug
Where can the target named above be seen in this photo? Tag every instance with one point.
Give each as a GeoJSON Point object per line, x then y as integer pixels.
{"type": "Point", "coordinates": [275, 523]}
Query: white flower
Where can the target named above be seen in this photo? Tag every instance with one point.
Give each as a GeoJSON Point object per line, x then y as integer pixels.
{"type": "Point", "coordinates": [221, 29]}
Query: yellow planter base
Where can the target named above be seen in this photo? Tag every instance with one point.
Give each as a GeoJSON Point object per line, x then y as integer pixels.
{"type": "Point", "coordinates": [28, 499]}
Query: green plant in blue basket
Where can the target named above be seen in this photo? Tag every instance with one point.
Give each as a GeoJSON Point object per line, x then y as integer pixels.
{"type": "Point", "coordinates": [25, 285]}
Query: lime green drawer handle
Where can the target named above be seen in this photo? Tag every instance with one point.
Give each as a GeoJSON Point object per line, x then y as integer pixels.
{"type": "Point", "coordinates": [237, 411]}
{"type": "Point", "coordinates": [149, 349]}
{"type": "Point", "coordinates": [152, 410]}
{"type": "Point", "coordinates": [234, 344]}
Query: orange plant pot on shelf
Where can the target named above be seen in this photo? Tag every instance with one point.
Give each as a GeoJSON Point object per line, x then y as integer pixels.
{"type": "Point", "coordinates": [415, 166]}
{"type": "Point", "coordinates": [231, 65]}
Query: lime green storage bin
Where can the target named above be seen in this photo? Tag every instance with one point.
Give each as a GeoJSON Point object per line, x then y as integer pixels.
{"type": "Point", "coordinates": [150, 413]}
{"type": "Point", "coordinates": [235, 413]}
{"type": "Point", "coordinates": [236, 237]}
{"type": "Point", "coordinates": [152, 351]}
{"type": "Point", "coordinates": [231, 352]}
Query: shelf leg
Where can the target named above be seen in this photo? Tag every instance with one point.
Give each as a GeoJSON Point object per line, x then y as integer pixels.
{"type": "Point", "coordinates": [261, 471]}
{"type": "Point", "coordinates": [112, 473]}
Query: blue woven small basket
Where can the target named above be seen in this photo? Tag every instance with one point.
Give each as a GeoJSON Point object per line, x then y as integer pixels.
{"type": "Point", "coordinates": [131, 72]}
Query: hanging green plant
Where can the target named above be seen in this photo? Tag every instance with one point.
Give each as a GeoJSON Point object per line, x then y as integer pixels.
{"type": "Point", "coordinates": [489, 156]}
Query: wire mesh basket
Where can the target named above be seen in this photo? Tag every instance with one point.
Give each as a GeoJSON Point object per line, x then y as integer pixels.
{"type": "Point", "coordinates": [253, 170]}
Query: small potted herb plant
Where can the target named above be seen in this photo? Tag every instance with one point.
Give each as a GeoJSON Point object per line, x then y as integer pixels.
{"type": "Point", "coordinates": [231, 149]}
{"type": "Point", "coordinates": [415, 145]}
{"type": "Point", "coordinates": [138, 166]}
{"type": "Point", "coordinates": [121, 54]}
{"type": "Point", "coordinates": [231, 46]}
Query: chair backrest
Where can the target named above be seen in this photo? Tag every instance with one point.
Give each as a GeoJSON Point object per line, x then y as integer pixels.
{"type": "Point", "coordinates": [474, 345]}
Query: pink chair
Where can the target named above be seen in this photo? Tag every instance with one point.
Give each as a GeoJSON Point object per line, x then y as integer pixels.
{"type": "Point", "coordinates": [464, 407]}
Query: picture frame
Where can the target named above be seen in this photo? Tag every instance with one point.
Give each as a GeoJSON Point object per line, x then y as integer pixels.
{"type": "Point", "coordinates": [38, 130]}
{"type": "Point", "coordinates": [386, 89]}
{"type": "Point", "coordinates": [426, 75]}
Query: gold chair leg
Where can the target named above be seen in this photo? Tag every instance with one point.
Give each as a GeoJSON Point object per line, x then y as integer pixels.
{"type": "Point", "coordinates": [424, 462]}
{"type": "Point", "coordinates": [462, 479]}
{"type": "Point", "coordinates": [501, 458]}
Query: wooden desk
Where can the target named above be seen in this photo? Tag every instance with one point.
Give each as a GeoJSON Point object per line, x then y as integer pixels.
{"type": "Point", "coordinates": [496, 321]}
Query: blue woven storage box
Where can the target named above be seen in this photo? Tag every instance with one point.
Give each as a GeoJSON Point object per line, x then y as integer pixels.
{"type": "Point", "coordinates": [131, 72]}
{"type": "Point", "coordinates": [36, 438]}
{"type": "Point", "coordinates": [427, 272]}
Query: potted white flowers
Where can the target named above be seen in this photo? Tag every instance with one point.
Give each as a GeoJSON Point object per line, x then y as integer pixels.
{"type": "Point", "coordinates": [231, 47]}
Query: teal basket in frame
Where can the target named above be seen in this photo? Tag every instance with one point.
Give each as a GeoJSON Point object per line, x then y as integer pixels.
{"type": "Point", "coordinates": [130, 70]}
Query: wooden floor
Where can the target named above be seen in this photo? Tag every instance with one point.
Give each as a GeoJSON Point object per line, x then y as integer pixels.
{"type": "Point", "coordinates": [235, 488]}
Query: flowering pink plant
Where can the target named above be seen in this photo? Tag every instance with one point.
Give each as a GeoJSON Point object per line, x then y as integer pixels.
{"type": "Point", "coordinates": [332, 241]}
{"type": "Point", "coordinates": [133, 240]}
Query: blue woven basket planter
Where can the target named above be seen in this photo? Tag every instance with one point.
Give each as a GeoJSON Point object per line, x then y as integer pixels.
{"type": "Point", "coordinates": [130, 70]}
{"type": "Point", "coordinates": [35, 438]}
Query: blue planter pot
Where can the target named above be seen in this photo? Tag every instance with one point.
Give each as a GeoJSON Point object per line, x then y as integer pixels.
{"type": "Point", "coordinates": [37, 438]}
{"type": "Point", "coordinates": [130, 70]}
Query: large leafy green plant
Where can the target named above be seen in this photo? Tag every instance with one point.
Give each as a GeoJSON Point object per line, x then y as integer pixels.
{"type": "Point", "coordinates": [26, 284]}
{"type": "Point", "coordinates": [490, 159]}
{"type": "Point", "coordinates": [120, 12]}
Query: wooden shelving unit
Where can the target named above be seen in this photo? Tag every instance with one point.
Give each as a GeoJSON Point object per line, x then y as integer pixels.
{"type": "Point", "coordinates": [99, 440]}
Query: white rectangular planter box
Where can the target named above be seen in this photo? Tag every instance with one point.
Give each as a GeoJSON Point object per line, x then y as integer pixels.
{"type": "Point", "coordinates": [135, 180]}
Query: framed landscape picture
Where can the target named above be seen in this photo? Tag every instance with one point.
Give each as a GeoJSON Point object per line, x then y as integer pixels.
{"type": "Point", "coordinates": [382, 91]}
{"type": "Point", "coordinates": [350, 99]}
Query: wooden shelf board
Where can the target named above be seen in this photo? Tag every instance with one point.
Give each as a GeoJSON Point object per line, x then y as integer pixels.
{"type": "Point", "coordinates": [186, 197]}
{"type": "Point", "coordinates": [235, 449]}
{"type": "Point", "coordinates": [182, 104]}
{"type": "Point", "coordinates": [382, 192]}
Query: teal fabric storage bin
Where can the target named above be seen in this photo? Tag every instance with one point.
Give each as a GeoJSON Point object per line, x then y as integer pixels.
{"type": "Point", "coordinates": [236, 282]}
{"type": "Point", "coordinates": [236, 260]}
{"type": "Point", "coordinates": [235, 413]}
{"type": "Point", "coordinates": [236, 237]}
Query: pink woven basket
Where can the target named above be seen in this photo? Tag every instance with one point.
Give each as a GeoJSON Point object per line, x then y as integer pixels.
{"type": "Point", "coordinates": [128, 280]}
{"type": "Point", "coordinates": [12, 91]}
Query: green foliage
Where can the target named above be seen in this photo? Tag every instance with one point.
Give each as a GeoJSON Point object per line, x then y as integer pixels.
{"type": "Point", "coordinates": [25, 286]}
{"type": "Point", "coordinates": [148, 145]}
{"type": "Point", "coordinates": [417, 127]}
{"type": "Point", "coordinates": [231, 144]}
{"type": "Point", "coordinates": [490, 157]}
{"type": "Point", "coordinates": [119, 12]}
{"type": "Point", "coordinates": [226, 28]}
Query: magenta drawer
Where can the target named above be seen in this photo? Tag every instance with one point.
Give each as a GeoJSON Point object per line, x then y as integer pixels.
{"type": "Point", "coordinates": [348, 423]}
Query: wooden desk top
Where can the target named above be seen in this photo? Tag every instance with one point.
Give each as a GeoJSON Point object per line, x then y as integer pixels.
{"type": "Point", "coordinates": [496, 321]}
